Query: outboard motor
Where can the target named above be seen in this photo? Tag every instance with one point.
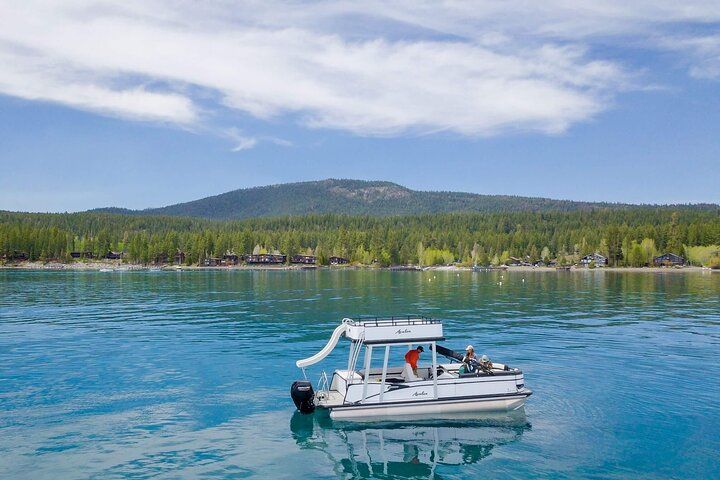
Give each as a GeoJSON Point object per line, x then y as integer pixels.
{"type": "Point", "coordinates": [303, 396]}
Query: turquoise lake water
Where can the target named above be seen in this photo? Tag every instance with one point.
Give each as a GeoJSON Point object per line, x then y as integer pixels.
{"type": "Point", "coordinates": [187, 375]}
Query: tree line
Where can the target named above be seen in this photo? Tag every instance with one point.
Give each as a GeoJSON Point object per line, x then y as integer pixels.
{"type": "Point", "coordinates": [627, 237]}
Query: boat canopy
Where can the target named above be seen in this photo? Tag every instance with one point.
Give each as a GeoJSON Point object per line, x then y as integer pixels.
{"type": "Point", "coordinates": [394, 329]}
{"type": "Point", "coordinates": [380, 330]}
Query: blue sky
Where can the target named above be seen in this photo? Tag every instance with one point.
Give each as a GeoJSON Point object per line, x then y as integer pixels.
{"type": "Point", "coordinates": [149, 103]}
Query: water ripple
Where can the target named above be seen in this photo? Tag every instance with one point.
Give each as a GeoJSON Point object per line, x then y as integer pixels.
{"type": "Point", "coordinates": [186, 375]}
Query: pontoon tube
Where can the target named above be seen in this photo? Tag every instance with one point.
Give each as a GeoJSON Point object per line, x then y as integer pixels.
{"type": "Point", "coordinates": [334, 338]}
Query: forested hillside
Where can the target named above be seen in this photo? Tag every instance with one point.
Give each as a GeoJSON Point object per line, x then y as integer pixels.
{"type": "Point", "coordinates": [627, 236]}
{"type": "Point", "coordinates": [357, 197]}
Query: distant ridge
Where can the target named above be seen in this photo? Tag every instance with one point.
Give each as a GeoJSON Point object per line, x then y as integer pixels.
{"type": "Point", "coordinates": [359, 197]}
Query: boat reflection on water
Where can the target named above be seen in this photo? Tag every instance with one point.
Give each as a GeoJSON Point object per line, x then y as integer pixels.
{"type": "Point", "coordinates": [406, 450]}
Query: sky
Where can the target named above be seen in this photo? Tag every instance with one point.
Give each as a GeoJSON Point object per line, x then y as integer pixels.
{"type": "Point", "coordinates": [141, 104]}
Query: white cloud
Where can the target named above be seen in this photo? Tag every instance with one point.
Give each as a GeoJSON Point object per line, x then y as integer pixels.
{"type": "Point", "coordinates": [244, 143]}
{"type": "Point", "coordinates": [703, 53]}
{"type": "Point", "coordinates": [372, 68]}
{"type": "Point", "coordinates": [34, 77]}
{"type": "Point", "coordinates": [241, 141]}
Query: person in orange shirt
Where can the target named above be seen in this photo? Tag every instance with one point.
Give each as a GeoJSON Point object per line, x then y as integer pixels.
{"type": "Point", "coordinates": [412, 357]}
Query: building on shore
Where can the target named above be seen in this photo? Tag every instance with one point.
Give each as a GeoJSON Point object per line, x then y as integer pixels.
{"type": "Point", "coordinates": [16, 256]}
{"type": "Point", "coordinates": [600, 260]}
{"type": "Point", "coordinates": [231, 259]}
{"type": "Point", "coordinates": [338, 261]}
{"type": "Point", "coordinates": [211, 262]}
{"type": "Point", "coordinates": [179, 257]}
{"type": "Point", "coordinates": [668, 260]}
{"type": "Point", "coordinates": [266, 258]}
{"type": "Point", "coordinates": [303, 259]}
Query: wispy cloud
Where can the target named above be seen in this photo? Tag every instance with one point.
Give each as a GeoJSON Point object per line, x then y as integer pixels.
{"type": "Point", "coordinates": [278, 141]}
{"type": "Point", "coordinates": [371, 68]}
{"type": "Point", "coordinates": [34, 76]}
{"type": "Point", "coordinates": [702, 54]}
{"type": "Point", "coordinates": [242, 141]}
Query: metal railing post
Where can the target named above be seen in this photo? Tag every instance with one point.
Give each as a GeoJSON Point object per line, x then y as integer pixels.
{"type": "Point", "coordinates": [384, 372]}
{"type": "Point", "coordinates": [368, 357]}
{"type": "Point", "coordinates": [434, 368]}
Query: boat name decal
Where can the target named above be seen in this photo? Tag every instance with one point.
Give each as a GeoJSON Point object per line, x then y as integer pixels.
{"type": "Point", "coordinates": [420, 394]}
{"type": "Point", "coordinates": [404, 330]}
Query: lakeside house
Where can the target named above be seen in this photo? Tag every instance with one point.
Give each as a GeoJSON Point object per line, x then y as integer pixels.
{"type": "Point", "coordinates": [179, 257]}
{"type": "Point", "coordinates": [81, 254]}
{"type": "Point", "coordinates": [16, 256]}
{"type": "Point", "coordinates": [114, 255]}
{"type": "Point", "coordinates": [338, 261]}
{"type": "Point", "coordinates": [304, 259]}
{"type": "Point", "coordinates": [231, 259]}
{"type": "Point", "coordinates": [161, 257]}
{"type": "Point", "coordinates": [513, 262]}
{"type": "Point", "coordinates": [211, 262]}
{"type": "Point", "coordinates": [594, 257]}
{"type": "Point", "coordinates": [518, 262]}
{"type": "Point", "coordinates": [668, 260]}
{"type": "Point", "coordinates": [266, 258]}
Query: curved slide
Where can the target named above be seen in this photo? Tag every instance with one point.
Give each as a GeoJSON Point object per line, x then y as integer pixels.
{"type": "Point", "coordinates": [334, 338]}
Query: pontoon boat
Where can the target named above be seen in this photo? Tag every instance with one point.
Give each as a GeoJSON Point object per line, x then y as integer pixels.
{"type": "Point", "coordinates": [396, 392]}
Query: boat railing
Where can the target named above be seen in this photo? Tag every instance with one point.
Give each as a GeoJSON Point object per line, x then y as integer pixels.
{"type": "Point", "coordinates": [393, 321]}
{"type": "Point", "coordinates": [323, 383]}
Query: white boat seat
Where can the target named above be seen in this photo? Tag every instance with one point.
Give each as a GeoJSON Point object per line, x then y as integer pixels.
{"type": "Point", "coordinates": [409, 375]}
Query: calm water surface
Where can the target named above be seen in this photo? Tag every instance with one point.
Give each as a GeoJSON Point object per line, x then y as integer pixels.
{"type": "Point", "coordinates": [187, 375]}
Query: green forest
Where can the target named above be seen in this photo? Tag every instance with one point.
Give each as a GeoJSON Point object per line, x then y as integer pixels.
{"type": "Point", "coordinates": [627, 237]}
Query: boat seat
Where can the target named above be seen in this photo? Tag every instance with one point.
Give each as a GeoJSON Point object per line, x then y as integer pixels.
{"type": "Point", "coordinates": [409, 375]}
{"type": "Point", "coordinates": [482, 373]}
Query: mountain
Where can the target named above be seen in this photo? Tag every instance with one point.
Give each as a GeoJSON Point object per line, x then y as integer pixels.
{"type": "Point", "coordinates": [355, 197]}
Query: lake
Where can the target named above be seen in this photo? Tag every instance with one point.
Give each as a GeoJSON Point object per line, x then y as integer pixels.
{"type": "Point", "coordinates": [187, 374]}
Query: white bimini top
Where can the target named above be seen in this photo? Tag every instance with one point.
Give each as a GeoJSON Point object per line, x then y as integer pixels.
{"type": "Point", "coordinates": [393, 329]}
{"type": "Point", "coordinates": [380, 331]}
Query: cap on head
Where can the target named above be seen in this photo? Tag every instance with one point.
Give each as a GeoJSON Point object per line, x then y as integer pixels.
{"type": "Point", "coordinates": [420, 349]}
{"type": "Point", "coordinates": [484, 358]}
{"type": "Point", "coordinates": [468, 348]}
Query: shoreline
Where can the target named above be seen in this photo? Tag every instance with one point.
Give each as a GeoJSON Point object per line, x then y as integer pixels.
{"type": "Point", "coordinates": [122, 267]}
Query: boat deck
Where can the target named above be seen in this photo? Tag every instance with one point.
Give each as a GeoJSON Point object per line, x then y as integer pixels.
{"type": "Point", "coordinates": [332, 398]}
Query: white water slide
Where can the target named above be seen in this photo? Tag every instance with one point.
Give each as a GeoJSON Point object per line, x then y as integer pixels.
{"type": "Point", "coordinates": [334, 338]}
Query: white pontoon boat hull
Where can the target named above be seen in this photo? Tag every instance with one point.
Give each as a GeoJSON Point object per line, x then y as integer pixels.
{"type": "Point", "coordinates": [436, 409]}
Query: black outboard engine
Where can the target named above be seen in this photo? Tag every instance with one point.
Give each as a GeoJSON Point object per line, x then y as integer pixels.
{"type": "Point", "coordinates": [303, 395]}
